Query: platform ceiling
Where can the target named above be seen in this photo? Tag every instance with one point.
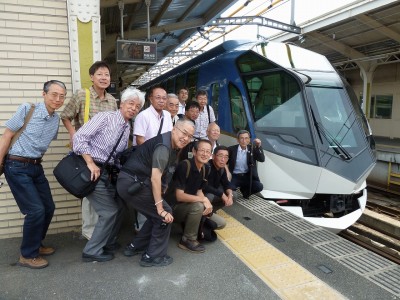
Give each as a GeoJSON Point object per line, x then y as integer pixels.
{"type": "Point", "coordinates": [362, 32]}
{"type": "Point", "coordinates": [172, 22]}
{"type": "Point", "coordinates": [354, 35]}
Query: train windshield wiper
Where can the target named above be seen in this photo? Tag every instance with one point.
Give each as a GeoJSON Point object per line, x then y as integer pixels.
{"type": "Point", "coordinates": [333, 143]}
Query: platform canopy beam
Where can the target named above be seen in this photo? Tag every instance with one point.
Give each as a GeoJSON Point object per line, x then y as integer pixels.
{"type": "Point", "coordinates": [256, 20]}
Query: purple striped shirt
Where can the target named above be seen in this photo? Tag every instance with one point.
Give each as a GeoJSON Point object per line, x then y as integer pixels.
{"type": "Point", "coordinates": [99, 136]}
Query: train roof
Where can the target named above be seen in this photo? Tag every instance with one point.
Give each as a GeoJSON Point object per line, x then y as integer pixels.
{"type": "Point", "coordinates": [224, 47]}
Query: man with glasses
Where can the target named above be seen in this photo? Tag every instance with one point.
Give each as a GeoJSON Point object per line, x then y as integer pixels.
{"type": "Point", "coordinates": [242, 164]}
{"type": "Point", "coordinates": [172, 107]}
{"type": "Point", "coordinates": [24, 171]}
{"type": "Point", "coordinates": [142, 182]}
{"type": "Point", "coordinates": [74, 111]}
{"type": "Point", "coordinates": [186, 196]}
{"type": "Point", "coordinates": [219, 189]}
{"type": "Point", "coordinates": [153, 120]}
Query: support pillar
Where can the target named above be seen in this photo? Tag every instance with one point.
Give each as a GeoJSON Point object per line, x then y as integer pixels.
{"type": "Point", "coordinates": [84, 39]}
{"type": "Point", "coordinates": [367, 74]}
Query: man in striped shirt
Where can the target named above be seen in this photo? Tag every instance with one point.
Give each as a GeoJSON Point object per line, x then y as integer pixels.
{"type": "Point", "coordinates": [95, 141]}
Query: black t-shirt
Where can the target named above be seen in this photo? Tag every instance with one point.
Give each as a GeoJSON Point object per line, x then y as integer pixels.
{"type": "Point", "coordinates": [190, 183]}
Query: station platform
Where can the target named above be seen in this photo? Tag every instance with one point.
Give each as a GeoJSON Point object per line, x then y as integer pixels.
{"type": "Point", "coordinates": [264, 252]}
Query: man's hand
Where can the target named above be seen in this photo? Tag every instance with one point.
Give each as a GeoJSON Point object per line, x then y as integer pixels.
{"type": "Point", "coordinates": [257, 142]}
{"type": "Point", "coordinates": [208, 208]}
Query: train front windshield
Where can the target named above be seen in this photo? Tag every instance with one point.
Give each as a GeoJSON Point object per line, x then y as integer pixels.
{"type": "Point", "coordinates": [315, 121]}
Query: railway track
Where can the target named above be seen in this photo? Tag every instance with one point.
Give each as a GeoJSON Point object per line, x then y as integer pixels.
{"type": "Point", "coordinates": [369, 232]}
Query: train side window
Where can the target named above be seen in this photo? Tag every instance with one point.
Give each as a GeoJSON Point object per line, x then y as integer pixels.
{"type": "Point", "coordinates": [179, 83]}
{"type": "Point", "coordinates": [239, 119]}
{"type": "Point", "coordinates": [192, 82]}
{"type": "Point", "coordinates": [215, 98]}
{"type": "Point", "coordinates": [171, 85]}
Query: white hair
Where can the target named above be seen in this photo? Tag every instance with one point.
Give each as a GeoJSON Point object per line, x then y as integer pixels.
{"type": "Point", "coordinates": [132, 92]}
{"type": "Point", "coordinates": [171, 95]}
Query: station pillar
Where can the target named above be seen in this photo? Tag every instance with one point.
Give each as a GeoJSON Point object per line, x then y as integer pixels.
{"type": "Point", "coordinates": [367, 74]}
{"type": "Point", "coordinates": [84, 39]}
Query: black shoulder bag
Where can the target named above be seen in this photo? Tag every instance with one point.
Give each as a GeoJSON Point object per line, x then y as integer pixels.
{"type": "Point", "coordinates": [73, 174]}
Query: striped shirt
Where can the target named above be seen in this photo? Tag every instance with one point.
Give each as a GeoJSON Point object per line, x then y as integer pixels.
{"type": "Point", "coordinates": [99, 136]}
{"type": "Point", "coordinates": [38, 134]}
{"type": "Point", "coordinates": [75, 109]}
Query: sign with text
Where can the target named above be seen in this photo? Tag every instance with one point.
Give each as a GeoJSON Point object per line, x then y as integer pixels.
{"type": "Point", "coordinates": [136, 52]}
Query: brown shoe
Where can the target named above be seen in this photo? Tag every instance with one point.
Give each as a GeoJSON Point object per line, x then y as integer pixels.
{"type": "Point", "coordinates": [33, 263]}
{"type": "Point", "coordinates": [192, 246]}
{"type": "Point", "coordinates": [46, 250]}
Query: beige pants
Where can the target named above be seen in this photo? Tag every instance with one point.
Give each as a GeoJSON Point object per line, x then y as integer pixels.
{"type": "Point", "coordinates": [89, 218]}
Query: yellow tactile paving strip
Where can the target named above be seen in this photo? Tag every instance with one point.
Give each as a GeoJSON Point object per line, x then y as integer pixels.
{"type": "Point", "coordinates": [285, 277]}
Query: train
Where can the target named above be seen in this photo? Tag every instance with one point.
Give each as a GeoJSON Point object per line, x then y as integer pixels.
{"type": "Point", "coordinates": [318, 144]}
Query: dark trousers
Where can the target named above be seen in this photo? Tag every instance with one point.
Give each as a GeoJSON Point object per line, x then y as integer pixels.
{"type": "Point", "coordinates": [31, 191]}
{"type": "Point", "coordinates": [154, 235]}
{"type": "Point", "coordinates": [242, 181]}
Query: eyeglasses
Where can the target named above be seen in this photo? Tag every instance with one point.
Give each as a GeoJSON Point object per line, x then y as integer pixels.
{"type": "Point", "coordinates": [222, 156]}
{"type": "Point", "coordinates": [57, 95]}
{"type": "Point", "coordinates": [185, 134]}
{"type": "Point", "coordinates": [204, 151]}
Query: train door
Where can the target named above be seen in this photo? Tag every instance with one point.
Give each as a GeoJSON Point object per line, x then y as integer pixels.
{"type": "Point", "coordinates": [214, 99]}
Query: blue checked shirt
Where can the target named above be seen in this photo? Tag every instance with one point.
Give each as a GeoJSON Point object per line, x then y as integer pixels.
{"type": "Point", "coordinates": [38, 134]}
{"type": "Point", "coordinates": [99, 136]}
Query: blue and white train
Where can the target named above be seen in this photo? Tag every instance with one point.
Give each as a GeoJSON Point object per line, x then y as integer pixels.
{"type": "Point", "coordinates": [317, 141]}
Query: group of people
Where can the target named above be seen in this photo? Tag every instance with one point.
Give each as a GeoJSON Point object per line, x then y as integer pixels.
{"type": "Point", "coordinates": [177, 173]}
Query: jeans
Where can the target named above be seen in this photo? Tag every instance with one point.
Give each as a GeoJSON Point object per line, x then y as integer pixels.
{"type": "Point", "coordinates": [31, 191]}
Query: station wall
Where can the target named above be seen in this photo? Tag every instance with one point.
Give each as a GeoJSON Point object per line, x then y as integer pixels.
{"type": "Point", "coordinates": [34, 48]}
{"type": "Point", "coordinates": [385, 84]}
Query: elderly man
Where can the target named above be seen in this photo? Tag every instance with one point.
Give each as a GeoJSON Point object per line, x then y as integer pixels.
{"type": "Point", "coordinates": [242, 164]}
{"type": "Point", "coordinates": [219, 189]}
{"type": "Point", "coordinates": [140, 183]}
{"type": "Point", "coordinates": [24, 172]}
{"type": "Point", "coordinates": [189, 179]}
{"type": "Point", "coordinates": [151, 122]}
{"type": "Point", "coordinates": [75, 110]}
{"type": "Point", "coordinates": [95, 141]}
{"type": "Point", "coordinates": [154, 120]}
{"type": "Point", "coordinates": [172, 107]}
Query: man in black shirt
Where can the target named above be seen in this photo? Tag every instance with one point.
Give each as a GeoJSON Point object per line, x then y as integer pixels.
{"type": "Point", "coordinates": [186, 191]}
{"type": "Point", "coordinates": [140, 184]}
{"type": "Point", "coordinates": [219, 189]}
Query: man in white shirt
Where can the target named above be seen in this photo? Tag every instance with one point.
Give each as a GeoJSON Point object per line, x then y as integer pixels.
{"type": "Point", "coordinates": [183, 95]}
{"type": "Point", "coordinates": [148, 122]}
{"type": "Point", "coordinates": [206, 115]}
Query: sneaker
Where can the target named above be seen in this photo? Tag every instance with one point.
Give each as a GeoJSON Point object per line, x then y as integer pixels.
{"type": "Point", "coordinates": [192, 246]}
{"type": "Point", "coordinates": [46, 250]}
{"type": "Point", "coordinates": [131, 250]}
{"type": "Point", "coordinates": [33, 263]}
{"type": "Point", "coordinates": [162, 261]}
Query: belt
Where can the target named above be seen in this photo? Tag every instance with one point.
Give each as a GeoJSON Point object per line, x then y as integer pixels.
{"type": "Point", "coordinates": [34, 161]}
{"type": "Point", "coordinates": [241, 174]}
{"type": "Point", "coordinates": [108, 167]}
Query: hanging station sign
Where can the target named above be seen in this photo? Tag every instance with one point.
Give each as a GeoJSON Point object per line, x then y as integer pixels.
{"type": "Point", "coordinates": [137, 52]}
